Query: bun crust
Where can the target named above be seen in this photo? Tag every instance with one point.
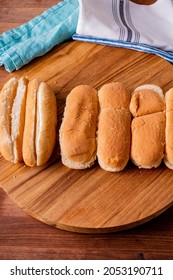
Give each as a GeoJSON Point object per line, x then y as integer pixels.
{"type": "Point", "coordinates": [147, 99]}
{"type": "Point", "coordinates": [78, 128]}
{"type": "Point", "coordinates": [114, 96]}
{"type": "Point", "coordinates": [113, 135]}
{"type": "Point", "coordinates": [113, 139]}
{"type": "Point", "coordinates": [40, 124]}
{"type": "Point", "coordinates": [168, 159]}
{"type": "Point", "coordinates": [148, 126]}
{"type": "Point", "coordinates": [29, 152]}
{"type": "Point", "coordinates": [46, 123]}
{"type": "Point", "coordinates": [148, 140]}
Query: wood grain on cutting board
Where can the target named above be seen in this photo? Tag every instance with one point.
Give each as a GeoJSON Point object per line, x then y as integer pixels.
{"type": "Point", "coordinates": [91, 200]}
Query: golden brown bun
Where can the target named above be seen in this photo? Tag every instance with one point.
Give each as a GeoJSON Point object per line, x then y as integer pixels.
{"type": "Point", "coordinates": [46, 123]}
{"type": "Point", "coordinates": [148, 140]}
{"type": "Point", "coordinates": [18, 119]}
{"type": "Point", "coordinates": [7, 96]}
{"type": "Point", "coordinates": [114, 96]}
{"type": "Point", "coordinates": [78, 128]}
{"type": "Point", "coordinates": [29, 152]}
{"type": "Point", "coordinates": [113, 139]}
{"type": "Point", "coordinates": [168, 159]}
{"type": "Point", "coordinates": [113, 135]}
{"type": "Point", "coordinates": [147, 99]}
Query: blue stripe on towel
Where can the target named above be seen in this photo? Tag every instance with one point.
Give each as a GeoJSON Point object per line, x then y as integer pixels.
{"type": "Point", "coordinates": [167, 55]}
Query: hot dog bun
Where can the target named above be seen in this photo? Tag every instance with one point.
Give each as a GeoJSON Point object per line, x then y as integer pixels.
{"type": "Point", "coordinates": [148, 126]}
{"type": "Point", "coordinates": [28, 118]}
{"type": "Point", "coordinates": [7, 96]}
{"type": "Point", "coordinates": [46, 123]}
{"type": "Point", "coordinates": [168, 159]}
{"type": "Point", "coordinates": [113, 135]}
{"type": "Point", "coordinates": [40, 124]}
{"type": "Point", "coordinates": [78, 128]}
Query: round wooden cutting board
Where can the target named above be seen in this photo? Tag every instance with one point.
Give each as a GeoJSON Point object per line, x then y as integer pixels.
{"type": "Point", "coordinates": [93, 200]}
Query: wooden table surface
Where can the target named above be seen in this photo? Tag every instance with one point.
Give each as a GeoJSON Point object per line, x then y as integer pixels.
{"type": "Point", "coordinates": [23, 237]}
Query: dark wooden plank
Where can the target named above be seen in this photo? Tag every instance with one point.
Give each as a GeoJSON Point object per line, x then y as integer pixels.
{"type": "Point", "coordinates": [22, 237]}
{"type": "Point", "coordinates": [15, 13]}
{"type": "Point", "coordinates": [28, 4]}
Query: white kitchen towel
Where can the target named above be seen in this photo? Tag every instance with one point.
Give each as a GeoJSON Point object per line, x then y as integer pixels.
{"type": "Point", "coordinates": [122, 23]}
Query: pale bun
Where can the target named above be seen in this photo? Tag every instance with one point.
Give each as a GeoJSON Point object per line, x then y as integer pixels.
{"type": "Point", "coordinates": [46, 123]}
{"type": "Point", "coordinates": [40, 124]}
{"type": "Point", "coordinates": [147, 99]}
{"type": "Point", "coordinates": [27, 127]}
{"type": "Point", "coordinates": [148, 140]}
{"type": "Point", "coordinates": [113, 135]}
{"type": "Point", "coordinates": [78, 129]}
{"type": "Point", "coordinates": [168, 158]}
{"type": "Point", "coordinates": [7, 97]}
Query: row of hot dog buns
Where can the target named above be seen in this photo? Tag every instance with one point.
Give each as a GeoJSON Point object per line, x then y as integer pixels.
{"type": "Point", "coordinates": [114, 125]}
{"type": "Point", "coordinates": [28, 118]}
{"type": "Point", "coordinates": [111, 125]}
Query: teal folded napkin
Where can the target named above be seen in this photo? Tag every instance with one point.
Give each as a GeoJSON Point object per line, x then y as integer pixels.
{"type": "Point", "coordinates": [36, 37]}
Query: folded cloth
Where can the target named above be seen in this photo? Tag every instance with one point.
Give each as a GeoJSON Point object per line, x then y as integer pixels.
{"type": "Point", "coordinates": [36, 37]}
{"type": "Point", "coordinates": [122, 23]}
